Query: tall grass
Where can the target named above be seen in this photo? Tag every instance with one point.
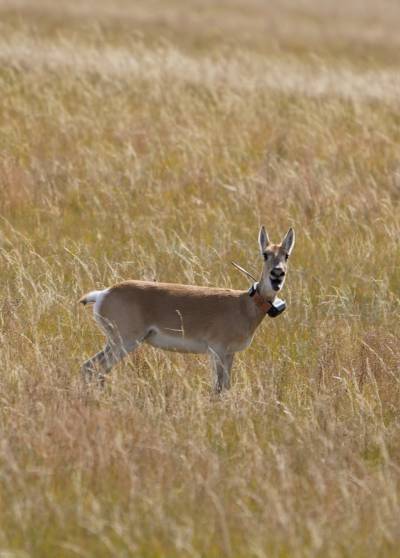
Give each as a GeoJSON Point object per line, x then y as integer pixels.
{"type": "Point", "coordinates": [150, 140]}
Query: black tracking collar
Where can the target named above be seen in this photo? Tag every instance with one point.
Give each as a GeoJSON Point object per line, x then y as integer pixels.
{"type": "Point", "coordinates": [277, 306]}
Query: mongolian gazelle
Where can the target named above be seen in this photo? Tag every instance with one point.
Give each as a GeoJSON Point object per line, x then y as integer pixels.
{"type": "Point", "coordinates": [187, 318]}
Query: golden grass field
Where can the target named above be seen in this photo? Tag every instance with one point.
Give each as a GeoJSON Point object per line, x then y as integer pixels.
{"type": "Point", "coordinates": [149, 140]}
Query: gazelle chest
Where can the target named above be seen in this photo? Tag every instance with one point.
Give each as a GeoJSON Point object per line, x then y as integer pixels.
{"type": "Point", "coordinates": [241, 344]}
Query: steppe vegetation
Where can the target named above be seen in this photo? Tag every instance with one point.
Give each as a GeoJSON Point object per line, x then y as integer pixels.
{"type": "Point", "coordinates": [149, 140]}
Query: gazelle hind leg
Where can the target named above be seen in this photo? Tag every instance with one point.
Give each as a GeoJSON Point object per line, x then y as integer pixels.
{"type": "Point", "coordinates": [99, 365]}
{"type": "Point", "coordinates": [222, 371]}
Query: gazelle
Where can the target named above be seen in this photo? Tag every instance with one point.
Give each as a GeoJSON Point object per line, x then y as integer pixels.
{"type": "Point", "coordinates": [187, 318]}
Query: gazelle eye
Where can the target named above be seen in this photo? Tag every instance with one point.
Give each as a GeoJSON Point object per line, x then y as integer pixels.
{"type": "Point", "coordinates": [265, 255]}
{"type": "Point", "coordinates": [286, 257]}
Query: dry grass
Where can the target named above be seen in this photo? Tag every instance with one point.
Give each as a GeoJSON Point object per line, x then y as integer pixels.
{"type": "Point", "coordinates": [150, 140]}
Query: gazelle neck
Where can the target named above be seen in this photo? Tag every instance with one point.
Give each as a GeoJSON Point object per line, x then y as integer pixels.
{"type": "Point", "coordinates": [265, 291]}
{"type": "Point", "coordinates": [263, 303]}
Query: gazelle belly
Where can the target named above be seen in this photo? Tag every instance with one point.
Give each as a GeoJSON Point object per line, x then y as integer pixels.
{"type": "Point", "coordinates": [175, 342]}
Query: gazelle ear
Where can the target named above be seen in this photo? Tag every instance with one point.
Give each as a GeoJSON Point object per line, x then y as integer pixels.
{"type": "Point", "coordinates": [263, 239]}
{"type": "Point", "coordinates": [288, 241]}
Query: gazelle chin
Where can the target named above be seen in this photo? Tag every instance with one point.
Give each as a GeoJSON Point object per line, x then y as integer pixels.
{"type": "Point", "coordinates": [186, 318]}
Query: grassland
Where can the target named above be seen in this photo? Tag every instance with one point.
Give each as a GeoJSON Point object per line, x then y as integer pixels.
{"type": "Point", "coordinates": [150, 139]}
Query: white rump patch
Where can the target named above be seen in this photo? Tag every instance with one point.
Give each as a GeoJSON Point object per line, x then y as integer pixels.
{"type": "Point", "coordinates": [98, 299]}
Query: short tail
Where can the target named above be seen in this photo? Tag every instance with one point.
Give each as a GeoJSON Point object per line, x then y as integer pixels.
{"type": "Point", "coordinates": [90, 298]}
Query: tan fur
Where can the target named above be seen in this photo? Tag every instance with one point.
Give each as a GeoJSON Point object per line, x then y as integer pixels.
{"type": "Point", "coordinates": [220, 317]}
{"type": "Point", "coordinates": [183, 318]}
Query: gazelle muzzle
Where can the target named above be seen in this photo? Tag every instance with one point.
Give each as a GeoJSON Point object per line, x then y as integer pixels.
{"type": "Point", "coordinates": [277, 277]}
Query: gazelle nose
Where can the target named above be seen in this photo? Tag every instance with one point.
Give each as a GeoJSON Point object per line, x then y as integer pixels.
{"type": "Point", "coordinates": [278, 272]}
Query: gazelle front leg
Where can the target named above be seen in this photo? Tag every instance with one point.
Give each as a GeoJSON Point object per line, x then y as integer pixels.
{"type": "Point", "coordinates": [222, 371]}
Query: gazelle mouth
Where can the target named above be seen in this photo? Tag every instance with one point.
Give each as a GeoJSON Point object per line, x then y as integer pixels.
{"type": "Point", "coordinates": [276, 284]}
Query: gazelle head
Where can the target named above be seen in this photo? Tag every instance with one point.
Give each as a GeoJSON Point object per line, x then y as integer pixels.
{"type": "Point", "coordinates": [275, 262]}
